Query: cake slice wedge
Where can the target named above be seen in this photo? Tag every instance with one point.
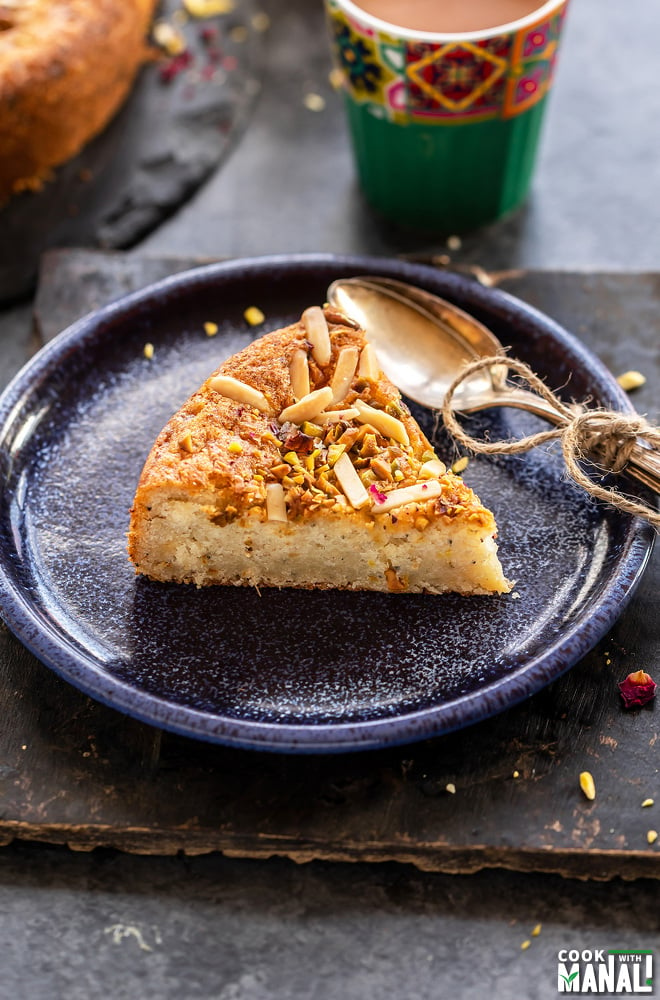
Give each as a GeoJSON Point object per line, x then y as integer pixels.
{"type": "Point", "coordinates": [297, 464]}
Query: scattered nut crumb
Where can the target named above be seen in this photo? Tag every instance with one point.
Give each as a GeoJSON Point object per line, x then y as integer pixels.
{"type": "Point", "coordinates": [451, 788]}
{"type": "Point", "coordinates": [254, 315]}
{"type": "Point", "coordinates": [210, 329]}
{"type": "Point", "coordinates": [482, 276]}
{"type": "Point", "coordinates": [631, 380]}
{"type": "Point", "coordinates": [516, 774]}
{"type": "Point", "coordinates": [454, 242]}
{"type": "Point", "coordinates": [235, 448]}
{"type": "Point", "coordinates": [314, 102]}
{"type": "Point", "coordinates": [460, 465]}
{"type": "Point", "coordinates": [336, 78]}
{"type": "Point", "coordinates": [652, 836]}
{"type": "Point", "coordinates": [646, 803]}
{"type": "Point", "coordinates": [537, 930]}
{"type": "Point", "coordinates": [260, 21]}
{"type": "Point", "coordinates": [148, 351]}
{"type": "Point", "coordinates": [525, 945]}
{"type": "Point", "coordinates": [208, 8]}
{"type": "Point", "coordinates": [515, 595]}
{"type": "Point", "coordinates": [239, 34]}
{"type": "Point", "coordinates": [168, 38]}
{"type": "Point", "coordinates": [587, 785]}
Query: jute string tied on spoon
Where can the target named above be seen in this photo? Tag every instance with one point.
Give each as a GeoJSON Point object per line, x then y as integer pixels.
{"type": "Point", "coordinates": [606, 438]}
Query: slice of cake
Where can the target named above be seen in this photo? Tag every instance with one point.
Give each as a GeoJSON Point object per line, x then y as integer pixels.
{"type": "Point", "coordinates": [297, 464]}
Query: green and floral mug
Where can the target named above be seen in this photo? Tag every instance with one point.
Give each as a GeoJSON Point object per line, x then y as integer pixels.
{"type": "Point", "coordinates": [445, 128]}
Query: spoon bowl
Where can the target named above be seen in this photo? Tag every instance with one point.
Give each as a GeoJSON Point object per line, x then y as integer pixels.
{"type": "Point", "coordinates": [423, 342]}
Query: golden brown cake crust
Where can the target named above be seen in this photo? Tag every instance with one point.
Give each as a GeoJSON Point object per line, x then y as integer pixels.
{"type": "Point", "coordinates": [65, 68]}
{"type": "Point", "coordinates": [226, 452]}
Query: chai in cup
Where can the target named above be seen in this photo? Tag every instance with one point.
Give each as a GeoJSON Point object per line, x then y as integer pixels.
{"type": "Point", "coordinates": [445, 102]}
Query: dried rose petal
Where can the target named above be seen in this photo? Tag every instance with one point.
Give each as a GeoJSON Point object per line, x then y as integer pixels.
{"type": "Point", "coordinates": [637, 689]}
{"type": "Point", "coordinates": [377, 495]}
{"type": "Point", "coordinates": [176, 65]}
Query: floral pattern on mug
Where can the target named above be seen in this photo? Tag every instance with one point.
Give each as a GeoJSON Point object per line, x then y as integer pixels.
{"type": "Point", "coordinates": [448, 82]}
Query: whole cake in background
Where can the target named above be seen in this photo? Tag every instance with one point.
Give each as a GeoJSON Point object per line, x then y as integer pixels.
{"type": "Point", "coordinates": [66, 66]}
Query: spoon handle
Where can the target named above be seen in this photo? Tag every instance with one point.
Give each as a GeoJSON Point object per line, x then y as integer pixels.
{"type": "Point", "coordinates": [519, 399]}
{"type": "Point", "coordinates": [643, 464]}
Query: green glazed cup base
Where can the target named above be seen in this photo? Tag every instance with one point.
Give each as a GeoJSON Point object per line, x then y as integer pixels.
{"type": "Point", "coordinates": [441, 179]}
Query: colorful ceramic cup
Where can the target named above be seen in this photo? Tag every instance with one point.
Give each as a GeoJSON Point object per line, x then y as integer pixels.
{"type": "Point", "coordinates": [445, 128]}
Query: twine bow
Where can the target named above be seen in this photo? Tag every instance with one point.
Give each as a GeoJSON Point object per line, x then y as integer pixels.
{"type": "Point", "coordinates": [605, 437]}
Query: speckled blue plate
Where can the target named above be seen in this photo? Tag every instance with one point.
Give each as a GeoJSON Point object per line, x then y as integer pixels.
{"type": "Point", "coordinates": [286, 670]}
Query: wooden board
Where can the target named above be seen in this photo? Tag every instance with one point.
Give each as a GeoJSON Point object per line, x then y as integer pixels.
{"type": "Point", "coordinates": [75, 772]}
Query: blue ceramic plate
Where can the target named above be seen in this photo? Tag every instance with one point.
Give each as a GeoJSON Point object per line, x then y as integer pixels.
{"type": "Point", "coordinates": [286, 670]}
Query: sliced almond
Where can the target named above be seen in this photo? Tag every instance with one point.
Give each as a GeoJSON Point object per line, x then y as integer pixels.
{"type": "Point", "coordinates": [299, 373]}
{"type": "Point", "coordinates": [390, 427]}
{"type": "Point", "coordinates": [418, 493]}
{"type": "Point", "coordinates": [350, 482]}
{"type": "Point", "coordinates": [316, 328]}
{"type": "Point", "coordinates": [275, 503]}
{"type": "Point", "coordinates": [234, 389]}
{"type": "Point", "coordinates": [368, 366]}
{"type": "Point", "coordinates": [432, 469]}
{"type": "Point", "coordinates": [334, 416]}
{"type": "Point", "coordinates": [342, 377]}
{"type": "Point", "coordinates": [307, 408]}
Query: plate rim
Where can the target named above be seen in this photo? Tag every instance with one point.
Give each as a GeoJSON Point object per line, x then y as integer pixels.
{"type": "Point", "coordinates": [84, 672]}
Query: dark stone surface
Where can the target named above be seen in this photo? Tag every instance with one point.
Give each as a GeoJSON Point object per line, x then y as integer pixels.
{"type": "Point", "coordinates": [109, 926]}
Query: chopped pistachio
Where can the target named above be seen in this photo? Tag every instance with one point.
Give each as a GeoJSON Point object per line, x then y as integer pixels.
{"type": "Point", "coordinates": [208, 8]}
{"type": "Point", "coordinates": [587, 785]}
{"type": "Point", "coordinates": [631, 380]}
{"type": "Point", "coordinates": [254, 315]}
{"type": "Point", "coordinates": [335, 451]}
{"type": "Point", "coordinates": [460, 465]}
